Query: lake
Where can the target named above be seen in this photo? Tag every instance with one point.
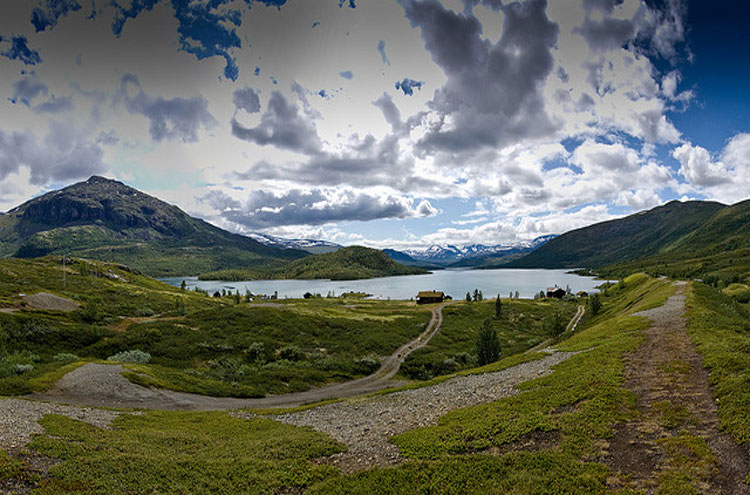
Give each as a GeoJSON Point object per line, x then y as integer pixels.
{"type": "Point", "coordinates": [454, 282]}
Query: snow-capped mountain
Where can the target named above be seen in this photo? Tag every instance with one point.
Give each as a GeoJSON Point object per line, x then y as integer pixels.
{"type": "Point", "coordinates": [309, 245]}
{"type": "Point", "coordinates": [450, 254]}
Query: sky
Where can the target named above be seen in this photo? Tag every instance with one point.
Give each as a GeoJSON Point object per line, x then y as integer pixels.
{"type": "Point", "coordinates": [387, 123]}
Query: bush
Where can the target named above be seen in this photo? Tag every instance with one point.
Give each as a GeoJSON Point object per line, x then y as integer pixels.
{"type": "Point", "coordinates": [256, 351]}
{"type": "Point", "coordinates": [366, 365]}
{"type": "Point", "coordinates": [488, 345]}
{"type": "Point", "coordinates": [145, 312]}
{"type": "Point", "coordinates": [135, 356]}
{"type": "Point", "coordinates": [291, 353]}
{"type": "Point", "coordinates": [595, 304]}
{"type": "Point", "coordinates": [23, 368]}
{"type": "Point", "coordinates": [554, 325]}
{"type": "Point", "coordinates": [91, 313]}
{"type": "Point", "coordinates": [65, 356]}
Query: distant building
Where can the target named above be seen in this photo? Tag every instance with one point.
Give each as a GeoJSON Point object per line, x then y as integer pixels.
{"type": "Point", "coordinates": [427, 297]}
{"type": "Point", "coordinates": [556, 292]}
{"type": "Point", "coordinates": [582, 293]}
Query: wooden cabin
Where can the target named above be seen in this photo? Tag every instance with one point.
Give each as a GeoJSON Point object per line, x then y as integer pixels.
{"type": "Point", "coordinates": [428, 297]}
{"type": "Point", "coordinates": [582, 293]}
{"type": "Point", "coordinates": [556, 292]}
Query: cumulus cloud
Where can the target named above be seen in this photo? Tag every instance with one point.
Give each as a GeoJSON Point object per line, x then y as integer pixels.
{"type": "Point", "coordinates": [699, 168]}
{"type": "Point", "coordinates": [281, 125]}
{"type": "Point", "coordinates": [493, 93]}
{"type": "Point", "coordinates": [28, 88]}
{"type": "Point", "coordinates": [264, 209]}
{"type": "Point", "coordinates": [171, 118]}
{"type": "Point", "coordinates": [64, 153]}
{"type": "Point", "coordinates": [383, 55]}
{"type": "Point", "coordinates": [246, 99]}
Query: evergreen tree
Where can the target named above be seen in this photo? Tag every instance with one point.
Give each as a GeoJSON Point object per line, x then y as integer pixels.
{"type": "Point", "coordinates": [498, 307]}
{"type": "Point", "coordinates": [468, 297]}
{"type": "Point", "coordinates": [488, 345]}
{"type": "Point", "coordinates": [183, 285]}
{"type": "Point", "coordinates": [476, 295]}
{"type": "Point", "coordinates": [595, 304]}
{"type": "Point", "coordinates": [517, 296]}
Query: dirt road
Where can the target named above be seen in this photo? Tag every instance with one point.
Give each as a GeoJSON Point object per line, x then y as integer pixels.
{"type": "Point", "coordinates": [675, 416]}
{"type": "Point", "coordinates": [102, 385]}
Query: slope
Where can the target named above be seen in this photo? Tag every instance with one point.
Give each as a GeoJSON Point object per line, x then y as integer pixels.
{"type": "Point", "coordinates": [617, 241]}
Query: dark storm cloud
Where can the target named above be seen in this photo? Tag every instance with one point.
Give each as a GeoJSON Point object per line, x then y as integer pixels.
{"type": "Point", "coordinates": [46, 14]}
{"type": "Point", "coordinates": [246, 99]}
{"type": "Point", "coordinates": [264, 209]}
{"type": "Point", "coordinates": [383, 55]}
{"type": "Point", "coordinates": [18, 49]}
{"type": "Point", "coordinates": [63, 154]}
{"type": "Point", "coordinates": [408, 85]}
{"type": "Point", "coordinates": [281, 125]}
{"type": "Point", "coordinates": [494, 91]}
{"type": "Point", "coordinates": [171, 118]}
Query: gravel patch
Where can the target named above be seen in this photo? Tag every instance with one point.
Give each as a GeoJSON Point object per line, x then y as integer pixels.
{"type": "Point", "coordinates": [47, 301]}
{"type": "Point", "coordinates": [366, 425]}
{"type": "Point", "coordinates": [19, 419]}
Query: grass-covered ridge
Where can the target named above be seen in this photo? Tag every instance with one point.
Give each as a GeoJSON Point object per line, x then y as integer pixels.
{"type": "Point", "coordinates": [349, 263]}
{"type": "Point", "coordinates": [720, 328]}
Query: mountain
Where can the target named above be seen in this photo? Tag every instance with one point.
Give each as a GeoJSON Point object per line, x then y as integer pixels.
{"type": "Point", "coordinates": [473, 255]}
{"type": "Point", "coordinates": [314, 246]}
{"type": "Point", "coordinates": [632, 237]}
{"type": "Point", "coordinates": [679, 239]}
{"type": "Point", "coordinates": [347, 263]}
{"type": "Point", "coordinates": [107, 220]}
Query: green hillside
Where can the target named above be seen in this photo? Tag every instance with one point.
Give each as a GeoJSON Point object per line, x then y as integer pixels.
{"type": "Point", "coordinates": [718, 251]}
{"type": "Point", "coordinates": [625, 239]}
{"type": "Point", "coordinates": [349, 263]}
{"type": "Point", "coordinates": [107, 220]}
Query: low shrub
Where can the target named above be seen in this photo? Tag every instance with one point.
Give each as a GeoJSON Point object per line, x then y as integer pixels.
{"type": "Point", "coordinates": [65, 356]}
{"type": "Point", "coordinates": [135, 356]}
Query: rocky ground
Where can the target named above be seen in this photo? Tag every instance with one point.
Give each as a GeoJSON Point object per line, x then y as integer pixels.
{"type": "Point", "coordinates": [366, 425]}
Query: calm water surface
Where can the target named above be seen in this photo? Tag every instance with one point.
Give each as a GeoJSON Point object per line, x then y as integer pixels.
{"type": "Point", "coordinates": [454, 282]}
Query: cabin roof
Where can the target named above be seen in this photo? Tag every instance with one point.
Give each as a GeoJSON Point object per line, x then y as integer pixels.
{"type": "Point", "coordinates": [430, 293]}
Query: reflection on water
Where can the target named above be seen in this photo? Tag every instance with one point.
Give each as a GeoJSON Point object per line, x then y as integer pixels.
{"type": "Point", "coordinates": [454, 282]}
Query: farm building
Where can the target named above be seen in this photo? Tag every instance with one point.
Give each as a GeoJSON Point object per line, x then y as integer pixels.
{"type": "Point", "coordinates": [427, 297]}
{"type": "Point", "coordinates": [582, 293]}
{"type": "Point", "coordinates": [556, 292]}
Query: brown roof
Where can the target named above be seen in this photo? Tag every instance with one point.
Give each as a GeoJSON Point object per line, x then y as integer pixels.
{"type": "Point", "coordinates": [430, 293]}
{"type": "Point", "coordinates": [553, 289]}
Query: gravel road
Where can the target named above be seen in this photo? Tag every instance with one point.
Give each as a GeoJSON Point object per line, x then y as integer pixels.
{"type": "Point", "coordinates": [366, 425]}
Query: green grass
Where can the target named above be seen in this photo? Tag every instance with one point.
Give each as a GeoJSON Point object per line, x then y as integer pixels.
{"type": "Point", "coordinates": [578, 406]}
{"type": "Point", "coordinates": [720, 328]}
{"type": "Point", "coordinates": [168, 452]}
{"type": "Point", "coordinates": [213, 346]}
{"type": "Point", "coordinates": [519, 328]}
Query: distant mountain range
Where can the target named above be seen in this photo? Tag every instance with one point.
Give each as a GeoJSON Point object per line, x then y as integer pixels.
{"type": "Point", "coordinates": [309, 245]}
{"type": "Point", "coordinates": [473, 255]}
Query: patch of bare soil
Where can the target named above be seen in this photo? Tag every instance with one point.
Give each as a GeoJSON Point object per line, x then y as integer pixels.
{"type": "Point", "coordinates": [675, 413]}
{"type": "Point", "coordinates": [51, 302]}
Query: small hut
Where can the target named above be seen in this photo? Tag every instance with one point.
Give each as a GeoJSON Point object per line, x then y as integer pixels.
{"type": "Point", "coordinates": [582, 293]}
{"type": "Point", "coordinates": [556, 292]}
{"type": "Point", "coordinates": [430, 296]}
